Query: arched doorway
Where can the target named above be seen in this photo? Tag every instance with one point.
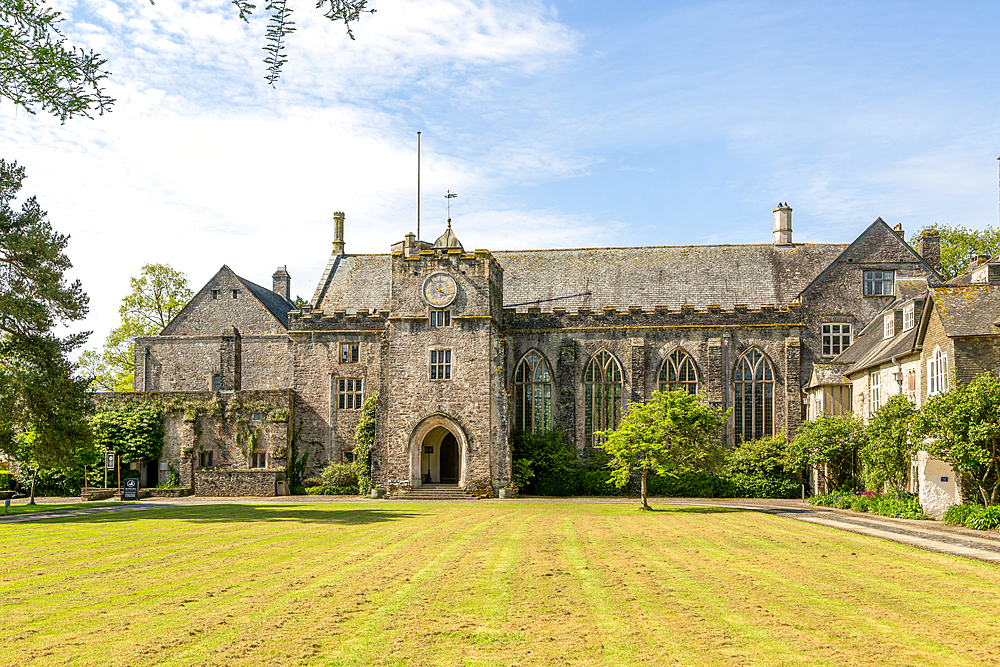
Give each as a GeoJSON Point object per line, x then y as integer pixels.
{"type": "Point", "coordinates": [437, 452]}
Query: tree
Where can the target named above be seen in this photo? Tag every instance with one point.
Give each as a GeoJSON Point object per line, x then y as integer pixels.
{"type": "Point", "coordinates": [38, 69]}
{"type": "Point", "coordinates": [675, 432]}
{"type": "Point", "coordinates": [133, 431]}
{"type": "Point", "coordinates": [886, 452]}
{"type": "Point", "coordinates": [280, 26]}
{"type": "Point", "coordinates": [159, 292]}
{"type": "Point", "coordinates": [959, 246]}
{"type": "Point", "coordinates": [38, 394]}
{"type": "Point", "coordinates": [833, 441]}
{"type": "Point", "coordinates": [962, 428]}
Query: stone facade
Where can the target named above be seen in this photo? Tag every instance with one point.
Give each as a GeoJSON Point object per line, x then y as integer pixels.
{"type": "Point", "coordinates": [386, 322]}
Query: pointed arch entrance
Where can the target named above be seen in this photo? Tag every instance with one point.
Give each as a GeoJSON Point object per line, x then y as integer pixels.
{"type": "Point", "coordinates": [438, 449]}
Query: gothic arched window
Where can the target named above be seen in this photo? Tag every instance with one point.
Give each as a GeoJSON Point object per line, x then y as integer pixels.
{"type": "Point", "coordinates": [533, 394]}
{"type": "Point", "coordinates": [754, 405]}
{"type": "Point", "coordinates": [678, 372]}
{"type": "Point", "coordinates": [602, 384]}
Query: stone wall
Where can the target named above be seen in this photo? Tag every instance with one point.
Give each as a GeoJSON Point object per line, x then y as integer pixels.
{"type": "Point", "coordinates": [214, 308]}
{"type": "Point", "coordinates": [260, 483]}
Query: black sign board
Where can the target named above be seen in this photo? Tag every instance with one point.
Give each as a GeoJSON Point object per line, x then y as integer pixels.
{"type": "Point", "coordinates": [131, 489]}
{"type": "Point", "coordinates": [109, 460]}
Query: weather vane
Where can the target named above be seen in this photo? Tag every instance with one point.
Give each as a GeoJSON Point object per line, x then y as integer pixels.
{"type": "Point", "coordinates": [451, 195]}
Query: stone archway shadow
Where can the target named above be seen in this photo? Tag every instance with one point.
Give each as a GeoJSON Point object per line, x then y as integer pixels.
{"type": "Point", "coordinates": [429, 428]}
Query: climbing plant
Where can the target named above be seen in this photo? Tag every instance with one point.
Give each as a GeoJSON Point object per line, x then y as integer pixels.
{"type": "Point", "coordinates": [364, 440]}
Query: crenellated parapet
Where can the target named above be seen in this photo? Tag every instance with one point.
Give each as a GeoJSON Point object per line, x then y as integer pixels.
{"type": "Point", "coordinates": [637, 318]}
{"type": "Point", "coordinates": [354, 319]}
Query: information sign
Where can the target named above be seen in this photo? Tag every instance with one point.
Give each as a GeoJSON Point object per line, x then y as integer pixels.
{"type": "Point", "coordinates": [109, 460]}
{"type": "Point", "coordinates": [131, 489]}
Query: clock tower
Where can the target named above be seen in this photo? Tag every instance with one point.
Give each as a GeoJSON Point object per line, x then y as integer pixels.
{"type": "Point", "coordinates": [444, 400]}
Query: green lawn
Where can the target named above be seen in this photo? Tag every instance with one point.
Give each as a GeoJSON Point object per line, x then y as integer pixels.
{"type": "Point", "coordinates": [481, 584]}
{"type": "Point", "coordinates": [21, 506]}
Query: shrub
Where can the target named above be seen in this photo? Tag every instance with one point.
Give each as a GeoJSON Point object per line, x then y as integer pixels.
{"type": "Point", "coordinates": [759, 469]}
{"type": "Point", "coordinates": [956, 515]}
{"type": "Point", "coordinates": [312, 482]}
{"type": "Point", "coordinates": [900, 505]}
{"type": "Point", "coordinates": [339, 479]}
{"type": "Point", "coordinates": [860, 504]}
{"type": "Point", "coordinates": [984, 518]}
{"type": "Point", "coordinates": [6, 480]}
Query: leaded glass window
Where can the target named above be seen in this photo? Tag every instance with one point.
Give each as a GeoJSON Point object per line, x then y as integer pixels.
{"type": "Point", "coordinates": [533, 394]}
{"type": "Point", "coordinates": [602, 396]}
{"type": "Point", "coordinates": [754, 405]}
{"type": "Point", "coordinates": [678, 372]}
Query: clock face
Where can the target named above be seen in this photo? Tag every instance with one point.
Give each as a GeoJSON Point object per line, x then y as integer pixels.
{"type": "Point", "coordinates": [440, 290]}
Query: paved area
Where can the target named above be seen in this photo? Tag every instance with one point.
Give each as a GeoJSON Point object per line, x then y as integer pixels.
{"type": "Point", "coordinates": [929, 535]}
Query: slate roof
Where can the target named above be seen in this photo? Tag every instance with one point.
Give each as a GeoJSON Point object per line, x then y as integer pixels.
{"type": "Point", "coordinates": [870, 348]}
{"type": "Point", "coordinates": [672, 276]}
{"type": "Point", "coordinates": [968, 310]}
{"type": "Point", "coordinates": [277, 304]}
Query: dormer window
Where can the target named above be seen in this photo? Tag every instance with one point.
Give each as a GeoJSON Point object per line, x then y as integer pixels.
{"type": "Point", "coordinates": [889, 325]}
{"type": "Point", "coordinates": [879, 283]}
{"type": "Point", "coordinates": [908, 317]}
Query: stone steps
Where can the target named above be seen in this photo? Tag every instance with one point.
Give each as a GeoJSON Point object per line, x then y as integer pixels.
{"type": "Point", "coordinates": [436, 492]}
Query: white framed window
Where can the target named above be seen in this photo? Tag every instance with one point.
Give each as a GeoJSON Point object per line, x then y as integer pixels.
{"type": "Point", "coordinates": [875, 390]}
{"type": "Point", "coordinates": [440, 364]}
{"type": "Point", "coordinates": [878, 283]}
{"type": "Point", "coordinates": [440, 318]}
{"type": "Point", "coordinates": [350, 353]}
{"type": "Point", "coordinates": [889, 325]}
{"type": "Point", "coordinates": [836, 338]}
{"type": "Point", "coordinates": [818, 404]}
{"type": "Point", "coordinates": [937, 372]}
{"type": "Point", "coordinates": [908, 317]}
{"type": "Point", "coordinates": [349, 393]}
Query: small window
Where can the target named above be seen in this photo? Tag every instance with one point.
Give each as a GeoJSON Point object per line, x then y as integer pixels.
{"type": "Point", "coordinates": [349, 394]}
{"type": "Point", "coordinates": [256, 416]}
{"type": "Point", "coordinates": [258, 460]}
{"type": "Point", "coordinates": [347, 457]}
{"type": "Point", "coordinates": [236, 293]}
{"type": "Point", "coordinates": [204, 459]}
{"type": "Point", "coordinates": [440, 364]}
{"type": "Point", "coordinates": [907, 317]}
{"type": "Point", "coordinates": [350, 353]}
{"type": "Point", "coordinates": [876, 391]}
{"type": "Point", "coordinates": [216, 382]}
{"type": "Point", "coordinates": [440, 318]}
{"type": "Point", "coordinates": [911, 386]}
{"type": "Point", "coordinates": [888, 325]}
{"type": "Point", "coordinates": [836, 339]}
{"type": "Point", "coordinates": [879, 283]}
{"type": "Point", "coordinates": [215, 294]}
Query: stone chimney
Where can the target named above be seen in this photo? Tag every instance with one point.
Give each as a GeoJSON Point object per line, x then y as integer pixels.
{"type": "Point", "coordinates": [898, 228]}
{"type": "Point", "coordinates": [338, 233]}
{"type": "Point", "coordinates": [783, 224]}
{"type": "Point", "coordinates": [929, 247]}
{"type": "Point", "coordinates": [282, 282]}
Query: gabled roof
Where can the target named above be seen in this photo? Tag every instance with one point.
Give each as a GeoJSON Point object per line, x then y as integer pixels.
{"type": "Point", "coordinates": [278, 305]}
{"type": "Point", "coordinates": [673, 276]}
{"type": "Point", "coordinates": [879, 224]}
{"type": "Point", "coordinates": [966, 278]}
{"type": "Point", "coordinates": [827, 374]}
{"type": "Point", "coordinates": [968, 310]}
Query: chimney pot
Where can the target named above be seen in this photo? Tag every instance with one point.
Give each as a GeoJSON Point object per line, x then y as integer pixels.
{"type": "Point", "coordinates": [783, 224]}
{"type": "Point", "coordinates": [338, 233]}
{"type": "Point", "coordinates": [282, 282]}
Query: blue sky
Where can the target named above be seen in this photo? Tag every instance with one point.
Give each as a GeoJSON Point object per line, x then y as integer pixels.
{"type": "Point", "coordinates": [560, 124]}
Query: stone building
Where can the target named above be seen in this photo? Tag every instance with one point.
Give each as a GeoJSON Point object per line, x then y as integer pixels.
{"type": "Point", "coordinates": [467, 347]}
{"type": "Point", "coordinates": [928, 337]}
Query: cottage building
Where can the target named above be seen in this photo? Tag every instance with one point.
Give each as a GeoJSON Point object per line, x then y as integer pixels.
{"type": "Point", "coordinates": [466, 347]}
{"type": "Point", "coordinates": [927, 338]}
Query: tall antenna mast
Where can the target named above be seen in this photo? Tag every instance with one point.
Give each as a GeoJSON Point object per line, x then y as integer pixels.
{"type": "Point", "coordinates": [451, 195]}
{"type": "Point", "coordinates": [418, 186]}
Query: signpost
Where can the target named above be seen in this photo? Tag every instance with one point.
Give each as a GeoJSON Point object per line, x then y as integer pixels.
{"type": "Point", "coordinates": [109, 464]}
{"type": "Point", "coordinates": [131, 489]}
